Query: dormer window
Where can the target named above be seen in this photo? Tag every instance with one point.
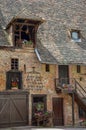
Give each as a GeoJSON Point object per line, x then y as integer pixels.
{"type": "Point", "coordinates": [24, 32]}
{"type": "Point", "coordinates": [75, 35]}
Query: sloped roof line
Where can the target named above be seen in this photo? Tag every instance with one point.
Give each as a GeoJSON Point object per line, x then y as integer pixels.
{"type": "Point", "coordinates": [19, 12]}
{"type": "Point", "coordinates": [4, 40]}
{"type": "Point", "coordinates": [24, 14]}
{"type": "Point", "coordinates": [24, 10]}
{"type": "Point", "coordinates": [2, 21]}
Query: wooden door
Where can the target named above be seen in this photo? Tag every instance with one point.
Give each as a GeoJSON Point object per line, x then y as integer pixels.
{"type": "Point", "coordinates": [13, 108]}
{"type": "Point", "coordinates": [63, 71]}
{"type": "Point", "coordinates": [58, 119]}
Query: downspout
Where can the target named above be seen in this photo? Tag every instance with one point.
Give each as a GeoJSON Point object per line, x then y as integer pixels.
{"type": "Point", "coordinates": [37, 53]}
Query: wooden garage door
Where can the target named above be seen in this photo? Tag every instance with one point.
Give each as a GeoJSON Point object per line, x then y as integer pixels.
{"type": "Point", "coordinates": [13, 108]}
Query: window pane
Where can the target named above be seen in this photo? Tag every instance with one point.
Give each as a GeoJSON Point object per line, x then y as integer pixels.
{"type": "Point", "coordinates": [14, 64]}
{"type": "Point", "coordinates": [75, 35]}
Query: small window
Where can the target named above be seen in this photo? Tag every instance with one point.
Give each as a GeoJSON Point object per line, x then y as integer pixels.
{"type": "Point", "coordinates": [78, 69]}
{"type": "Point", "coordinates": [75, 35]}
{"type": "Point", "coordinates": [47, 68]}
{"type": "Point", "coordinates": [14, 64]}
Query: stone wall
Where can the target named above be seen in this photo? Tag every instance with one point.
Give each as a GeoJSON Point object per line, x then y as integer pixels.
{"type": "Point", "coordinates": [44, 81]}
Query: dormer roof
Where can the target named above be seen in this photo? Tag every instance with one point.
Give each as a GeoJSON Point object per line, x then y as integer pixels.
{"type": "Point", "coordinates": [24, 14]}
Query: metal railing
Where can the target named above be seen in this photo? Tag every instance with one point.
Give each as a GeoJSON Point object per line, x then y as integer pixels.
{"type": "Point", "coordinates": [80, 89]}
{"type": "Point", "coordinates": [71, 83]}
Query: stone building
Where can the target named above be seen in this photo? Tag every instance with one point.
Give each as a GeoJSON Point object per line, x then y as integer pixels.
{"type": "Point", "coordinates": [43, 52]}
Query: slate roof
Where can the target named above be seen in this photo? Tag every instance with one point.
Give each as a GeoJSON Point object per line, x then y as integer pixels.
{"type": "Point", "coordinates": [4, 41]}
{"type": "Point", "coordinates": [55, 46]}
{"type": "Point", "coordinates": [45, 55]}
{"type": "Point", "coordinates": [25, 14]}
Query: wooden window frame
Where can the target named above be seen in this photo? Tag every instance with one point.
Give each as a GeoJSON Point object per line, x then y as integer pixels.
{"type": "Point", "coordinates": [14, 64]}
{"type": "Point", "coordinates": [29, 33]}
{"type": "Point", "coordinates": [11, 77]}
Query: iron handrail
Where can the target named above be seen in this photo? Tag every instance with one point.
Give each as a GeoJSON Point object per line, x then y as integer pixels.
{"type": "Point", "coordinates": [79, 88]}
{"type": "Point", "coordinates": [70, 82]}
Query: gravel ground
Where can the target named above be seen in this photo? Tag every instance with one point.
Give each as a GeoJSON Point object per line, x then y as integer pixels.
{"type": "Point", "coordinates": [30, 128]}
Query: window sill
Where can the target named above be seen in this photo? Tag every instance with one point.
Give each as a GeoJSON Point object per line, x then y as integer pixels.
{"type": "Point", "coordinates": [79, 40]}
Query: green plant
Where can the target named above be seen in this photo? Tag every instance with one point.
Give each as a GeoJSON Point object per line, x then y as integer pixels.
{"type": "Point", "coordinates": [39, 106]}
{"type": "Point", "coordinates": [84, 123]}
{"type": "Point", "coordinates": [30, 42]}
{"type": "Point", "coordinates": [26, 42]}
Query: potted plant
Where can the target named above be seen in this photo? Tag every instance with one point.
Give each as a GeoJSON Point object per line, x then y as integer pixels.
{"type": "Point", "coordinates": [14, 84]}
{"type": "Point", "coordinates": [27, 43]}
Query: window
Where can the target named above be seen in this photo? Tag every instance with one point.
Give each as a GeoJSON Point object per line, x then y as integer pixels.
{"type": "Point", "coordinates": [24, 32]}
{"type": "Point", "coordinates": [47, 68]}
{"type": "Point", "coordinates": [75, 35]}
{"type": "Point", "coordinates": [78, 69]}
{"type": "Point", "coordinates": [23, 35]}
{"type": "Point", "coordinates": [14, 64]}
{"type": "Point", "coordinates": [14, 80]}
